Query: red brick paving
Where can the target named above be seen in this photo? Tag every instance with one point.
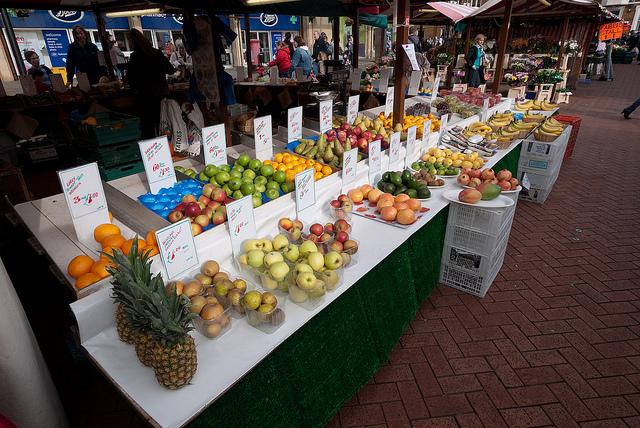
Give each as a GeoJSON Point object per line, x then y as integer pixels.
{"type": "Point", "coordinates": [556, 341]}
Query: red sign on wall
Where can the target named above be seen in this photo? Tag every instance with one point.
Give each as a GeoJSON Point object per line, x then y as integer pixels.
{"type": "Point", "coordinates": [610, 31]}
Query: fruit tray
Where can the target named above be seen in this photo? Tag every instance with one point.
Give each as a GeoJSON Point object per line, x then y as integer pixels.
{"type": "Point", "coordinates": [368, 210]}
{"type": "Point", "coordinates": [166, 199]}
{"type": "Point", "coordinates": [111, 128]}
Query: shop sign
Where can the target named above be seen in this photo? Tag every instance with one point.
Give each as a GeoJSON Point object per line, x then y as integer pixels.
{"type": "Point", "coordinates": [611, 31]}
{"type": "Point", "coordinates": [268, 20]}
{"type": "Point", "coordinates": [57, 43]}
{"type": "Point", "coordinates": [179, 19]}
{"type": "Point", "coordinates": [67, 16]}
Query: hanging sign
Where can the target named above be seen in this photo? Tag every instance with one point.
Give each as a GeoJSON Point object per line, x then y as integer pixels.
{"type": "Point", "coordinates": [355, 79]}
{"type": "Point", "coordinates": [394, 150]}
{"type": "Point", "coordinates": [158, 164]}
{"type": "Point", "coordinates": [410, 50]}
{"type": "Point", "coordinates": [83, 192]}
{"type": "Point", "coordinates": [411, 146]}
{"type": "Point", "coordinates": [241, 221]}
{"type": "Point", "coordinates": [352, 108]}
{"type": "Point", "coordinates": [349, 168]}
{"type": "Point", "coordinates": [434, 89]}
{"type": "Point", "coordinates": [177, 249]}
{"type": "Point", "coordinates": [294, 124]}
{"type": "Point", "coordinates": [383, 83]}
{"type": "Point", "coordinates": [326, 115]}
{"type": "Point", "coordinates": [375, 162]}
{"type": "Point", "coordinates": [388, 104]}
{"type": "Point", "coordinates": [262, 134]}
{"type": "Point", "coordinates": [215, 145]}
{"type": "Point", "coordinates": [611, 31]}
{"type": "Point", "coordinates": [414, 83]}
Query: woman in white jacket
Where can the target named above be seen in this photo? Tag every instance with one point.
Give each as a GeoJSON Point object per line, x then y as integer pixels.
{"type": "Point", "coordinates": [180, 58]}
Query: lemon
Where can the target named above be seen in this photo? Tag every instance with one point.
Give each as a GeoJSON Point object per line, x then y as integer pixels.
{"type": "Point", "coordinates": [474, 155]}
{"type": "Point", "coordinates": [440, 159]}
{"type": "Point", "coordinates": [432, 159]}
{"type": "Point", "coordinates": [448, 162]}
{"type": "Point", "coordinates": [457, 163]}
{"type": "Point", "coordinates": [477, 164]}
{"type": "Point", "coordinates": [466, 164]}
{"type": "Point", "coordinates": [432, 150]}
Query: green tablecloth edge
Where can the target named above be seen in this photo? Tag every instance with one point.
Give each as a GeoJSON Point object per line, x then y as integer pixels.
{"type": "Point", "coordinates": [307, 379]}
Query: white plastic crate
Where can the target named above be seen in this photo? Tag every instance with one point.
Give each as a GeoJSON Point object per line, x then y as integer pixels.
{"type": "Point", "coordinates": [484, 220]}
{"type": "Point", "coordinates": [535, 195]}
{"type": "Point", "coordinates": [472, 283]}
{"type": "Point", "coordinates": [474, 240]}
{"type": "Point", "coordinates": [475, 262]}
{"type": "Point", "coordinates": [546, 167]}
{"type": "Point", "coordinates": [531, 148]}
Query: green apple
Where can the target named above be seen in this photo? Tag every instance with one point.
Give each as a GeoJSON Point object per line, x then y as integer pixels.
{"type": "Point", "coordinates": [252, 300]}
{"type": "Point", "coordinates": [292, 253]}
{"type": "Point", "coordinates": [260, 188]}
{"type": "Point", "coordinates": [303, 267]}
{"type": "Point", "coordinates": [279, 176]}
{"type": "Point", "coordinates": [190, 173]}
{"type": "Point", "coordinates": [333, 260]}
{"type": "Point", "coordinates": [267, 246]}
{"type": "Point", "coordinates": [279, 270]}
{"type": "Point", "coordinates": [272, 194]}
{"type": "Point", "coordinates": [225, 168]}
{"type": "Point", "coordinates": [235, 174]}
{"type": "Point", "coordinates": [238, 167]}
{"type": "Point", "coordinates": [213, 181]}
{"type": "Point", "coordinates": [272, 258]}
{"type": "Point", "coordinates": [287, 187]}
{"type": "Point", "coordinates": [237, 195]}
{"type": "Point", "coordinates": [252, 244]}
{"type": "Point", "coordinates": [222, 288]}
{"type": "Point", "coordinates": [308, 247]}
{"type": "Point", "coordinates": [222, 178]}
{"type": "Point", "coordinates": [244, 159]}
{"type": "Point", "coordinates": [211, 170]}
{"type": "Point", "coordinates": [280, 242]}
{"type": "Point", "coordinates": [227, 189]}
{"type": "Point", "coordinates": [297, 294]}
{"type": "Point", "coordinates": [256, 200]}
{"type": "Point", "coordinates": [234, 183]}
{"type": "Point", "coordinates": [179, 168]}
{"type": "Point", "coordinates": [203, 177]}
{"type": "Point", "coordinates": [255, 165]}
{"type": "Point", "coordinates": [255, 258]}
{"type": "Point", "coordinates": [306, 280]}
{"type": "Point", "coordinates": [273, 185]}
{"type": "Point", "coordinates": [316, 261]}
{"type": "Point", "coordinates": [260, 181]}
{"type": "Point", "coordinates": [247, 188]}
{"type": "Point", "coordinates": [250, 174]}
{"type": "Point", "coordinates": [266, 170]}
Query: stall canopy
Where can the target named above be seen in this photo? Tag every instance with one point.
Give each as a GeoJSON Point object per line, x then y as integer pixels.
{"type": "Point", "coordinates": [441, 12]}
{"type": "Point", "coordinates": [540, 8]}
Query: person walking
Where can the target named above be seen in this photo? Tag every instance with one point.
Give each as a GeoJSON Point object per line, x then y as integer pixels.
{"type": "Point", "coordinates": [301, 56]}
{"type": "Point", "coordinates": [118, 60]}
{"type": "Point", "coordinates": [147, 74]}
{"type": "Point", "coordinates": [283, 60]}
{"type": "Point", "coordinates": [627, 111]}
{"type": "Point", "coordinates": [82, 56]}
{"type": "Point", "coordinates": [475, 62]}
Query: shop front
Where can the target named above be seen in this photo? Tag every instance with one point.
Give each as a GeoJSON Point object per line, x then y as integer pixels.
{"type": "Point", "coordinates": [269, 29]}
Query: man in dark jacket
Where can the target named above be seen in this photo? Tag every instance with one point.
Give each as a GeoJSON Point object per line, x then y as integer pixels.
{"type": "Point", "coordinates": [415, 39]}
{"type": "Point", "coordinates": [82, 56]}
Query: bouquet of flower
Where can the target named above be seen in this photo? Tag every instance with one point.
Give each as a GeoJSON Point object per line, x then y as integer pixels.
{"type": "Point", "coordinates": [518, 78]}
{"type": "Point", "coordinates": [371, 73]}
{"type": "Point", "coordinates": [571, 47]}
{"type": "Point", "coordinates": [525, 64]}
{"type": "Point", "coordinates": [548, 76]}
{"type": "Point", "coordinates": [443, 59]}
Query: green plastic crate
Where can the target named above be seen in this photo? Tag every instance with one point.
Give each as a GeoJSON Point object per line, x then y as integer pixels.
{"type": "Point", "coordinates": [120, 171]}
{"type": "Point", "coordinates": [111, 128]}
{"type": "Point", "coordinates": [116, 154]}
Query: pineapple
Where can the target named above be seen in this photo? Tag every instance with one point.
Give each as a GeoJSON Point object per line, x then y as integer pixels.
{"type": "Point", "coordinates": [123, 326]}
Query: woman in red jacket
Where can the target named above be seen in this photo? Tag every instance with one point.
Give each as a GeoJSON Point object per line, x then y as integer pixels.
{"type": "Point", "coordinates": [283, 60]}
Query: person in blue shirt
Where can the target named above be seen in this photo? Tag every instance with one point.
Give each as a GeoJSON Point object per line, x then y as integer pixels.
{"type": "Point", "coordinates": [82, 56]}
{"type": "Point", "coordinates": [475, 62]}
{"type": "Point", "coordinates": [301, 56]}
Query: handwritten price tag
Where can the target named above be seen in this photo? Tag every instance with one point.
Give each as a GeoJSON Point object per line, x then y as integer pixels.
{"type": "Point", "coordinates": [85, 198]}
{"type": "Point", "coordinates": [394, 150]}
{"type": "Point", "coordinates": [375, 162]}
{"type": "Point", "coordinates": [485, 110]}
{"type": "Point", "coordinates": [177, 249]}
{"type": "Point", "coordinates": [355, 79]}
{"type": "Point", "coordinates": [158, 164]}
{"type": "Point", "coordinates": [435, 88]}
{"type": "Point", "coordinates": [262, 133]}
{"type": "Point", "coordinates": [411, 146]}
{"type": "Point", "coordinates": [410, 50]}
{"type": "Point", "coordinates": [349, 168]}
{"type": "Point", "coordinates": [352, 108]}
{"type": "Point", "coordinates": [388, 105]}
{"type": "Point", "coordinates": [426, 133]}
{"type": "Point", "coordinates": [414, 82]}
{"type": "Point", "coordinates": [305, 190]}
{"type": "Point", "coordinates": [215, 145]}
{"type": "Point", "coordinates": [443, 127]}
{"type": "Point", "coordinates": [326, 115]}
{"type": "Point", "coordinates": [294, 124]}
{"type": "Point", "coordinates": [242, 224]}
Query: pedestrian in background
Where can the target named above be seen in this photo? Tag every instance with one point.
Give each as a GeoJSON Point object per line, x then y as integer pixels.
{"type": "Point", "coordinates": [475, 62]}
{"type": "Point", "coordinates": [627, 111]}
{"type": "Point", "coordinates": [82, 56]}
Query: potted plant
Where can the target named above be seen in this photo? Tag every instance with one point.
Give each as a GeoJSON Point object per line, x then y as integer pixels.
{"type": "Point", "coordinates": [562, 96]}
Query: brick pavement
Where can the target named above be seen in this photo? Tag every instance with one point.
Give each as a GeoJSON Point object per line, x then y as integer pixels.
{"type": "Point", "coordinates": [556, 341]}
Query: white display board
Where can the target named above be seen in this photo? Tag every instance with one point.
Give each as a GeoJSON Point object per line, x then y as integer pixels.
{"type": "Point", "coordinates": [214, 139]}
{"type": "Point", "coordinates": [158, 164]}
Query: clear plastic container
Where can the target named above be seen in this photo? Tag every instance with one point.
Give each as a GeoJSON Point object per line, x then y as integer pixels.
{"type": "Point", "coordinates": [270, 284]}
{"type": "Point", "coordinates": [351, 256]}
{"type": "Point", "coordinates": [309, 297]}
{"type": "Point", "coordinates": [215, 327]}
{"type": "Point", "coordinates": [294, 237]}
{"type": "Point", "coordinates": [345, 213]}
{"type": "Point", "coordinates": [323, 247]}
{"type": "Point", "coordinates": [267, 322]}
{"type": "Point", "coordinates": [332, 278]}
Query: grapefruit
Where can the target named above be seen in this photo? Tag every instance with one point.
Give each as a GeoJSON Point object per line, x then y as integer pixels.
{"type": "Point", "coordinates": [79, 265]}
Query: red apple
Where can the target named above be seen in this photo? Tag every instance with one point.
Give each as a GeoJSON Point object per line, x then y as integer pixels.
{"type": "Point", "coordinates": [208, 211]}
{"type": "Point", "coordinates": [342, 136]}
{"type": "Point", "coordinates": [196, 229]}
{"type": "Point", "coordinates": [342, 226]}
{"type": "Point", "coordinates": [202, 220]}
{"type": "Point", "coordinates": [350, 246]}
{"type": "Point", "coordinates": [335, 203]}
{"type": "Point", "coordinates": [207, 189]}
{"type": "Point", "coordinates": [343, 198]}
{"type": "Point", "coordinates": [331, 138]}
{"type": "Point", "coordinates": [367, 135]}
{"type": "Point", "coordinates": [316, 229]}
{"type": "Point", "coordinates": [175, 216]}
{"type": "Point", "coordinates": [219, 195]}
{"type": "Point", "coordinates": [202, 205]}
{"type": "Point", "coordinates": [214, 205]}
{"type": "Point", "coordinates": [285, 223]}
{"type": "Point", "coordinates": [328, 228]}
{"type": "Point", "coordinates": [336, 246]}
{"type": "Point", "coordinates": [218, 218]}
{"type": "Point", "coordinates": [342, 236]}
{"type": "Point", "coordinates": [298, 224]}
{"type": "Point", "coordinates": [362, 143]}
{"type": "Point", "coordinates": [192, 210]}
{"type": "Point", "coordinates": [188, 198]}
{"type": "Point", "coordinates": [345, 126]}
{"type": "Point", "coordinates": [378, 137]}
{"type": "Point", "coordinates": [205, 200]}
{"type": "Point", "coordinates": [180, 207]}
{"type": "Point", "coordinates": [311, 237]}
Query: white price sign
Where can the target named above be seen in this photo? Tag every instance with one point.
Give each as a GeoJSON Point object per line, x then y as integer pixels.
{"type": "Point", "coordinates": [443, 127]}
{"type": "Point", "coordinates": [410, 50]}
{"type": "Point", "coordinates": [215, 145]}
{"type": "Point", "coordinates": [388, 105]}
{"type": "Point", "coordinates": [85, 198]}
{"type": "Point", "coordinates": [414, 82]}
{"type": "Point", "coordinates": [434, 89]}
{"type": "Point", "coordinates": [294, 124]}
{"type": "Point", "coordinates": [375, 162]}
{"type": "Point", "coordinates": [177, 249]}
{"type": "Point", "coordinates": [158, 164]}
{"type": "Point", "coordinates": [305, 191]}
{"type": "Point", "coordinates": [326, 115]}
{"type": "Point", "coordinates": [426, 133]}
{"type": "Point", "coordinates": [352, 109]}
{"type": "Point", "coordinates": [394, 150]}
{"type": "Point", "coordinates": [242, 224]}
{"type": "Point", "coordinates": [262, 134]}
{"type": "Point", "coordinates": [349, 168]}
{"type": "Point", "coordinates": [411, 146]}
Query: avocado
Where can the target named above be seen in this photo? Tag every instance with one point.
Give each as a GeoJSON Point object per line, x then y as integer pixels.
{"type": "Point", "coordinates": [424, 192]}
{"type": "Point", "coordinates": [386, 177]}
{"type": "Point", "coordinates": [388, 188]}
{"type": "Point", "coordinates": [412, 193]}
{"type": "Point", "coordinates": [406, 175]}
{"type": "Point", "coordinates": [396, 178]}
{"type": "Point", "coordinates": [400, 189]}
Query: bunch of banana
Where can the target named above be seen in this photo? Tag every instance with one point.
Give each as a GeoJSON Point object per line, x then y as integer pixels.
{"type": "Point", "coordinates": [478, 128]}
{"type": "Point", "coordinates": [531, 117]}
{"type": "Point", "coordinates": [549, 130]}
{"type": "Point", "coordinates": [535, 105]}
{"type": "Point", "coordinates": [500, 120]}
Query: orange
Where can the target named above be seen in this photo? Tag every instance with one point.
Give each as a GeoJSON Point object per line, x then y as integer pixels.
{"type": "Point", "coordinates": [317, 176]}
{"type": "Point", "coordinates": [152, 250]}
{"type": "Point", "coordinates": [290, 175]}
{"type": "Point", "coordinates": [86, 280]}
{"type": "Point", "coordinates": [298, 168]}
{"type": "Point", "coordinates": [326, 170]}
{"type": "Point", "coordinates": [282, 167]}
{"type": "Point", "coordinates": [79, 265]}
{"type": "Point", "coordinates": [110, 216]}
{"type": "Point", "coordinates": [100, 268]}
{"type": "Point", "coordinates": [278, 157]}
{"type": "Point", "coordinates": [115, 241]}
{"type": "Point", "coordinates": [317, 167]}
{"type": "Point", "coordinates": [150, 239]}
{"type": "Point", "coordinates": [108, 250]}
{"type": "Point", "coordinates": [126, 247]}
{"type": "Point", "coordinates": [311, 162]}
{"type": "Point", "coordinates": [104, 230]}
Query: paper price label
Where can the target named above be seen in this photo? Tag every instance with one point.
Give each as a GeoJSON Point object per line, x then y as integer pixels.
{"type": "Point", "coordinates": [177, 249]}
{"type": "Point", "coordinates": [414, 82]}
{"type": "Point", "coordinates": [375, 162]}
{"type": "Point", "coordinates": [388, 105]}
{"type": "Point", "coordinates": [262, 134]}
{"type": "Point", "coordinates": [158, 164]}
{"type": "Point", "coordinates": [57, 83]}
{"type": "Point", "coordinates": [383, 83]}
{"type": "Point", "coordinates": [426, 133]}
{"type": "Point", "coordinates": [305, 190]}
{"type": "Point", "coordinates": [349, 168]}
{"type": "Point", "coordinates": [215, 145]}
{"type": "Point", "coordinates": [485, 110]}
{"type": "Point", "coordinates": [410, 50]}
{"type": "Point", "coordinates": [411, 146]}
{"type": "Point", "coordinates": [326, 115]}
{"type": "Point", "coordinates": [352, 108]}
{"type": "Point", "coordinates": [355, 79]}
{"type": "Point", "coordinates": [443, 127]}
{"type": "Point", "coordinates": [294, 124]}
{"type": "Point", "coordinates": [394, 149]}
{"type": "Point", "coordinates": [242, 224]}
{"type": "Point", "coordinates": [435, 88]}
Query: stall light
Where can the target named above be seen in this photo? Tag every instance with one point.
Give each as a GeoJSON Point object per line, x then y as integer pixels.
{"type": "Point", "coordinates": [427, 11]}
{"type": "Point", "coordinates": [135, 12]}
{"type": "Point", "coordinates": [264, 2]}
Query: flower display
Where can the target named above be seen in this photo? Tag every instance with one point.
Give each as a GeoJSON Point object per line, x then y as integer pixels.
{"type": "Point", "coordinates": [518, 78]}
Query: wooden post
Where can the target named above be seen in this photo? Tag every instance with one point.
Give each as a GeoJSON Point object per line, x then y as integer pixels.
{"type": "Point", "coordinates": [247, 45]}
{"type": "Point", "coordinates": [381, 41]}
{"type": "Point", "coordinates": [335, 29]}
{"type": "Point", "coordinates": [563, 36]}
{"type": "Point", "coordinates": [104, 41]}
{"type": "Point", "coordinates": [402, 37]}
{"type": "Point", "coordinates": [356, 39]}
{"type": "Point", "coordinates": [467, 42]}
{"type": "Point", "coordinates": [577, 64]}
{"type": "Point", "coordinates": [502, 45]}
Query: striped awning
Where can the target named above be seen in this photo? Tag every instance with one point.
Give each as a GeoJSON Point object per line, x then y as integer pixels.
{"type": "Point", "coordinates": [532, 8]}
{"type": "Point", "coordinates": [443, 11]}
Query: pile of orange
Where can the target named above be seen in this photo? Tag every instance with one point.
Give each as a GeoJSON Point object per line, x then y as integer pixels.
{"type": "Point", "coordinates": [292, 164]}
{"type": "Point", "coordinates": [87, 271]}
